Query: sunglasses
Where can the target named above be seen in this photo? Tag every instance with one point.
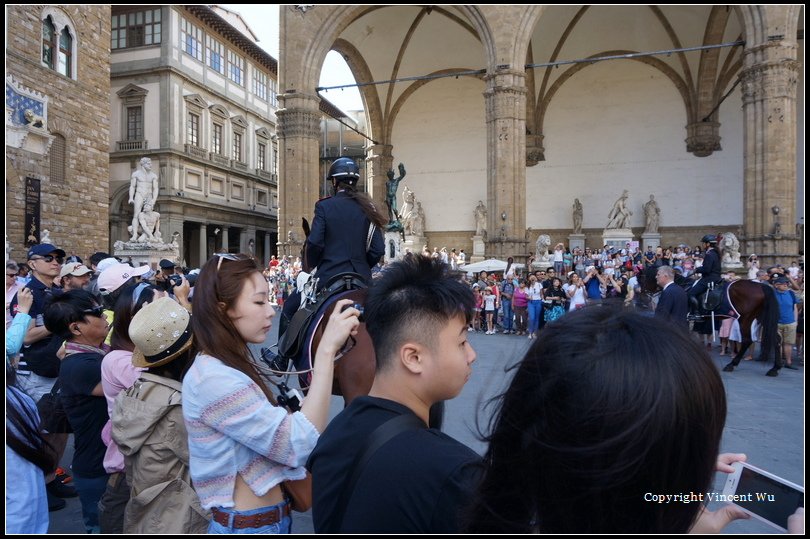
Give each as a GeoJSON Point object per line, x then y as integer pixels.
{"type": "Point", "coordinates": [226, 256]}
{"type": "Point", "coordinates": [98, 311]}
{"type": "Point", "coordinates": [11, 274]}
{"type": "Point", "coordinates": [49, 258]}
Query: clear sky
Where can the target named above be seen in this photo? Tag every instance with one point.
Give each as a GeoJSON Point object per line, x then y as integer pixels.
{"type": "Point", "coordinates": [263, 20]}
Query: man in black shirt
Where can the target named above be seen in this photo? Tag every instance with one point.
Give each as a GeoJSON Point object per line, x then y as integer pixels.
{"type": "Point", "coordinates": [412, 479]}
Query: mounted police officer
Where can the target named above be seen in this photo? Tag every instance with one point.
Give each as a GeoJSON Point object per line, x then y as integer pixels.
{"type": "Point", "coordinates": [709, 272]}
{"type": "Point", "coordinates": [346, 233]}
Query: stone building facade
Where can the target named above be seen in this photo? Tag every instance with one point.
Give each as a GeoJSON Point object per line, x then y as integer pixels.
{"type": "Point", "coordinates": [57, 70]}
{"type": "Point", "coordinates": [192, 91]}
{"type": "Point", "coordinates": [491, 109]}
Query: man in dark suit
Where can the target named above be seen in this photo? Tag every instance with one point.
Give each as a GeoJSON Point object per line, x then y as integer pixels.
{"type": "Point", "coordinates": [673, 304]}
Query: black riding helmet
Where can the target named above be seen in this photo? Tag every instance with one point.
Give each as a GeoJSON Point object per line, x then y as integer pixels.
{"type": "Point", "coordinates": [344, 170]}
{"type": "Point", "coordinates": [709, 238]}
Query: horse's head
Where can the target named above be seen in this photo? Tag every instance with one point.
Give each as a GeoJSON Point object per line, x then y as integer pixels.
{"type": "Point", "coordinates": [647, 281]}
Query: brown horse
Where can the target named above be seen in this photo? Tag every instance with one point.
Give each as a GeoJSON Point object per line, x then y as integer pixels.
{"type": "Point", "coordinates": [750, 301]}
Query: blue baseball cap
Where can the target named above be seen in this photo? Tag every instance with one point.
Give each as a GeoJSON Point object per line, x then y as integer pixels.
{"type": "Point", "coordinates": [44, 249]}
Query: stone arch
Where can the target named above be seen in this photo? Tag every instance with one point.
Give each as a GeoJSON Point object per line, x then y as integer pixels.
{"type": "Point", "coordinates": [359, 68]}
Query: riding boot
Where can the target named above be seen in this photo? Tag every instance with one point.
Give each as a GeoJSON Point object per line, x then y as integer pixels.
{"type": "Point", "coordinates": [283, 322]}
{"type": "Point", "coordinates": [694, 308]}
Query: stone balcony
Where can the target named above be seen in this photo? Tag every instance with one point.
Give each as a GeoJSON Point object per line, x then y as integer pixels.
{"type": "Point", "coordinates": [196, 151]}
{"type": "Point", "coordinates": [219, 159]}
{"type": "Point", "coordinates": [128, 145]}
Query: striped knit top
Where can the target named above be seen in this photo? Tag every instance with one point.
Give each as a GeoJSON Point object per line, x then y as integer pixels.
{"type": "Point", "coordinates": [233, 429]}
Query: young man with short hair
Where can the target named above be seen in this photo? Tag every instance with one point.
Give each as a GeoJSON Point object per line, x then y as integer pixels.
{"type": "Point", "coordinates": [377, 467]}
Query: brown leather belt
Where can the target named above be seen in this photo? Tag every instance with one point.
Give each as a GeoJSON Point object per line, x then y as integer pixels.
{"type": "Point", "coordinates": [251, 521]}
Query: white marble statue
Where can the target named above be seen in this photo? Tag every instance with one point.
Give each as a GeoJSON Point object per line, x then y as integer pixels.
{"type": "Point", "coordinates": [149, 220]}
{"type": "Point", "coordinates": [418, 220]}
{"type": "Point", "coordinates": [480, 219]}
{"type": "Point", "coordinates": [619, 216]}
{"type": "Point", "coordinates": [541, 254]}
{"type": "Point", "coordinates": [652, 215]}
{"type": "Point", "coordinates": [143, 186]}
{"type": "Point", "coordinates": [730, 246]}
{"type": "Point", "coordinates": [45, 237]}
{"type": "Point", "coordinates": [408, 205]}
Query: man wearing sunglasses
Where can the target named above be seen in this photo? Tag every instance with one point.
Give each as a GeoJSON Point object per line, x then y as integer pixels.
{"type": "Point", "coordinates": [39, 362]}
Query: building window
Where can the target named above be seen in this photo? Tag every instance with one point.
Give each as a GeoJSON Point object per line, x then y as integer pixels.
{"type": "Point", "coordinates": [273, 92]}
{"type": "Point", "coordinates": [48, 36]}
{"type": "Point", "coordinates": [193, 129]}
{"type": "Point", "coordinates": [58, 153]}
{"type": "Point", "coordinates": [216, 55]}
{"type": "Point", "coordinates": [65, 53]}
{"type": "Point", "coordinates": [216, 139]}
{"type": "Point", "coordinates": [261, 156]}
{"type": "Point", "coordinates": [135, 29]}
{"type": "Point", "coordinates": [191, 40]}
{"type": "Point", "coordinates": [237, 147]}
{"type": "Point", "coordinates": [260, 84]}
{"type": "Point", "coordinates": [134, 123]}
{"type": "Point", "coordinates": [236, 68]}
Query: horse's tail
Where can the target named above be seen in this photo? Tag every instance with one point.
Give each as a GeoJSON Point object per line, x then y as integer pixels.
{"type": "Point", "coordinates": [768, 320]}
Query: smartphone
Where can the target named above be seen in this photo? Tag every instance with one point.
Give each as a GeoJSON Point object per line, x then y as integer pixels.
{"type": "Point", "coordinates": [762, 495]}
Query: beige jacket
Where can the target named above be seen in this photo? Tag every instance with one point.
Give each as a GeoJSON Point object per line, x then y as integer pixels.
{"type": "Point", "coordinates": [147, 425]}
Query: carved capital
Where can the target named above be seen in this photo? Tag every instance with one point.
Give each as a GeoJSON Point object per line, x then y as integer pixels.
{"type": "Point", "coordinates": [298, 123]}
{"type": "Point", "coordinates": [535, 152]}
{"type": "Point", "coordinates": [703, 138]}
{"type": "Point", "coordinates": [770, 80]}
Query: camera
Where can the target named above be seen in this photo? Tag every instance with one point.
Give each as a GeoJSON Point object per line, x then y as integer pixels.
{"type": "Point", "coordinates": [359, 308]}
{"type": "Point", "coordinates": [175, 280]}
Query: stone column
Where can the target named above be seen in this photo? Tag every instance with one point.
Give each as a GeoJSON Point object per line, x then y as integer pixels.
{"type": "Point", "coordinates": [379, 160]}
{"type": "Point", "coordinates": [299, 132]}
{"type": "Point", "coordinates": [769, 80]}
{"type": "Point", "coordinates": [267, 255]}
{"type": "Point", "coordinates": [225, 241]}
{"type": "Point", "coordinates": [505, 98]}
{"type": "Point", "coordinates": [203, 245]}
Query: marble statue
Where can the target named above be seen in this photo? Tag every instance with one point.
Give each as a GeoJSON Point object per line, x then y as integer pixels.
{"type": "Point", "coordinates": [33, 119]}
{"type": "Point", "coordinates": [652, 215]}
{"type": "Point", "coordinates": [149, 220]}
{"type": "Point", "coordinates": [730, 247]}
{"type": "Point", "coordinates": [418, 220]}
{"type": "Point", "coordinates": [541, 254]}
{"type": "Point", "coordinates": [408, 205]}
{"type": "Point", "coordinates": [480, 219]}
{"type": "Point", "coordinates": [45, 237]}
{"type": "Point", "coordinates": [143, 186]}
{"type": "Point", "coordinates": [619, 215]}
{"type": "Point", "coordinates": [391, 187]}
{"type": "Point", "coordinates": [577, 216]}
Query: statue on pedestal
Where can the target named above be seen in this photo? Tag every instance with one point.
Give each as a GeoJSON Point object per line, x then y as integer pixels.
{"type": "Point", "coordinates": [577, 213]}
{"type": "Point", "coordinates": [480, 213]}
{"type": "Point", "coordinates": [391, 187]}
{"type": "Point", "coordinates": [652, 215]}
{"type": "Point", "coordinates": [541, 254]}
{"type": "Point", "coordinates": [149, 220]}
{"type": "Point", "coordinates": [619, 215]}
{"type": "Point", "coordinates": [143, 186]}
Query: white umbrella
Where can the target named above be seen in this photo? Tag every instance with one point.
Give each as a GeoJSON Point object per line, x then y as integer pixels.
{"type": "Point", "coordinates": [489, 265]}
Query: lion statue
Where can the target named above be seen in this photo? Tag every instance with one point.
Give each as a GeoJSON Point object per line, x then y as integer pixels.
{"type": "Point", "coordinates": [730, 247]}
{"type": "Point", "coordinates": [33, 119]}
{"type": "Point", "coordinates": [543, 243]}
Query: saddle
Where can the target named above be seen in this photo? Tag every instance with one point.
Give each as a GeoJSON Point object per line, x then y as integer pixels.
{"type": "Point", "coordinates": [713, 297]}
{"type": "Point", "coordinates": [294, 339]}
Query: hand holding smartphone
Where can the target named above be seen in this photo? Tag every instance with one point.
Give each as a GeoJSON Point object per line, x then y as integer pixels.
{"type": "Point", "coordinates": [762, 495]}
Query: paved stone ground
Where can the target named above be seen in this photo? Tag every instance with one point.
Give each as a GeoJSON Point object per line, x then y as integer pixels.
{"type": "Point", "coordinates": [765, 420]}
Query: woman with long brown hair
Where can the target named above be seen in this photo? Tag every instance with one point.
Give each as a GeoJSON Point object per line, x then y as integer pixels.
{"type": "Point", "coordinates": [241, 445]}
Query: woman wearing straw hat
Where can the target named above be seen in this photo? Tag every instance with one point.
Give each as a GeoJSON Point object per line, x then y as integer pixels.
{"type": "Point", "coordinates": [148, 425]}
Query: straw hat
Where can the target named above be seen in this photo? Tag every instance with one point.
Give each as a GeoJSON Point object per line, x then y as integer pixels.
{"type": "Point", "coordinates": [160, 331]}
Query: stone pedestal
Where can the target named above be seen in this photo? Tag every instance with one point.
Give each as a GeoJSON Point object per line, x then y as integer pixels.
{"type": "Point", "coordinates": [149, 253]}
{"type": "Point", "coordinates": [650, 239]}
{"type": "Point", "coordinates": [576, 241]}
{"type": "Point", "coordinates": [413, 244]}
{"type": "Point", "coordinates": [393, 246]}
{"type": "Point", "coordinates": [478, 249]}
{"type": "Point", "coordinates": [617, 237]}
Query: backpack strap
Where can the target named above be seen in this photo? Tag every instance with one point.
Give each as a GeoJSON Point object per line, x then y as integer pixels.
{"type": "Point", "coordinates": [378, 438]}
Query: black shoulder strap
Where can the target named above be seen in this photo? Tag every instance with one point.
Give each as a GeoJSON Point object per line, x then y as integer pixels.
{"type": "Point", "coordinates": [381, 435]}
